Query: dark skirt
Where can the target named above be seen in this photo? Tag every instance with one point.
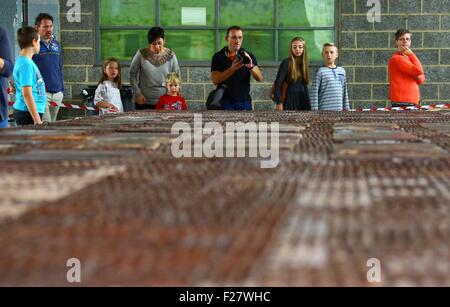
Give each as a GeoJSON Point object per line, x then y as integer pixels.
{"type": "Point", "coordinates": [297, 98]}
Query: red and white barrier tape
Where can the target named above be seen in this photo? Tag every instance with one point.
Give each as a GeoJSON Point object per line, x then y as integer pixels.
{"type": "Point", "coordinates": [411, 108]}
{"type": "Point", "coordinates": [62, 105]}
{"type": "Point", "coordinates": [68, 106]}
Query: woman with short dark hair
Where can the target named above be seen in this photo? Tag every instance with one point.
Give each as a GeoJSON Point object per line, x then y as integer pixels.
{"type": "Point", "coordinates": [149, 69]}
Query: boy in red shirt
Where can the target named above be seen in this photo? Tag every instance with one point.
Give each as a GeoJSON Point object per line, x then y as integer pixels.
{"type": "Point", "coordinates": [172, 100]}
{"type": "Point", "coordinates": [405, 73]}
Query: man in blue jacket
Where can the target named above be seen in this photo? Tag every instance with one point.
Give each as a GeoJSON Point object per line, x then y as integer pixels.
{"type": "Point", "coordinates": [6, 69]}
{"type": "Point", "coordinates": [49, 62]}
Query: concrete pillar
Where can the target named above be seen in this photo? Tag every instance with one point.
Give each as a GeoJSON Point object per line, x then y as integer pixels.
{"type": "Point", "coordinates": [11, 18]}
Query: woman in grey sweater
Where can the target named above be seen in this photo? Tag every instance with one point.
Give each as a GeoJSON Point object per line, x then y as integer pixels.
{"type": "Point", "coordinates": [149, 69]}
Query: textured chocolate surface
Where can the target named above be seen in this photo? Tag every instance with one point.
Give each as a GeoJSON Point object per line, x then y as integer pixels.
{"type": "Point", "coordinates": [349, 187]}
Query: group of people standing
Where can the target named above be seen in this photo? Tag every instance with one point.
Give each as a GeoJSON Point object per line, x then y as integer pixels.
{"type": "Point", "coordinates": [37, 74]}
{"type": "Point", "coordinates": [156, 82]}
{"type": "Point", "coordinates": [154, 77]}
{"type": "Point", "coordinates": [329, 89]}
{"type": "Point", "coordinates": [234, 67]}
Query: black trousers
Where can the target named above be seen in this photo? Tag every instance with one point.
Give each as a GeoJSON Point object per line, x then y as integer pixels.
{"type": "Point", "coordinates": [24, 118]}
{"type": "Point", "coordinates": [402, 104]}
{"type": "Point", "coordinates": [145, 106]}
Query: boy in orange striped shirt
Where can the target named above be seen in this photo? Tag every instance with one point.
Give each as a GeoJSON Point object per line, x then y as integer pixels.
{"type": "Point", "coordinates": [405, 73]}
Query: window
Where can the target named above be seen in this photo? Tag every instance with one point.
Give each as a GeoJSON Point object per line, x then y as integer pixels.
{"type": "Point", "coordinates": [195, 29]}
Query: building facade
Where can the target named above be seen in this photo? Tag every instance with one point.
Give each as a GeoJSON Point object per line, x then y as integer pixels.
{"type": "Point", "coordinates": [363, 30]}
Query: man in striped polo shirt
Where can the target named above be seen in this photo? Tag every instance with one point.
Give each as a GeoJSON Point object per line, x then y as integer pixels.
{"type": "Point", "coordinates": [329, 89]}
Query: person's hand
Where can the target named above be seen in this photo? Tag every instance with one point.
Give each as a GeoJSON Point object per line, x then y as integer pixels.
{"type": "Point", "coordinates": [112, 108]}
{"type": "Point", "coordinates": [249, 65]}
{"type": "Point", "coordinates": [109, 107]}
{"type": "Point", "coordinates": [12, 87]}
{"type": "Point", "coordinates": [38, 122]}
{"type": "Point", "coordinates": [420, 79]}
{"type": "Point", "coordinates": [237, 64]}
{"type": "Point", "coordinates": [407, 51]}
{"type": "Point", "coordinates": [140, 99]}
{"type": "Point", "coordinates": [279, 107]}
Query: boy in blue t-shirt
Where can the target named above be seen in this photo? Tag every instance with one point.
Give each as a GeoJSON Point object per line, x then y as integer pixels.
{"type": "Point", "coordinates": [30, 87]}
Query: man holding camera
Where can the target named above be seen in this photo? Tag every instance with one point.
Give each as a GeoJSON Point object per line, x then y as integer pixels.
{"type": "Point", "coordinates": [233, 66]}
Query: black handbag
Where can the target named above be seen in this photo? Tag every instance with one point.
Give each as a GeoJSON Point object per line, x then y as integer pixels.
{"type": "Point", "coordinates": [214, 101]}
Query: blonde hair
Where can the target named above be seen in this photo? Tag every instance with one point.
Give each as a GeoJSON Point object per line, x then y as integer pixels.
{"type": "Point", "coordinates": [298, 66]}
{"type": "Point", "coordinates": [173, 77]}
{"type": "Point", "coordinates": [329, 45]}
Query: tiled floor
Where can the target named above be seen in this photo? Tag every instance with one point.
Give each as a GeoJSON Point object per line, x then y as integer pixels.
{"type": "Point", "coordinates": [349, 188]}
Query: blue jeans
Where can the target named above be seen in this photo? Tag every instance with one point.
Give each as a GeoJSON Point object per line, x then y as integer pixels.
{"type": "Point", "coordinates": [3, 124]}
{"type": "Point", "coordinates": [237, 106]}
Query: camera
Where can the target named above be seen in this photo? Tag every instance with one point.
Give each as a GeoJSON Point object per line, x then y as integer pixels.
{"type": "Point", "coordinates": [240, 54]}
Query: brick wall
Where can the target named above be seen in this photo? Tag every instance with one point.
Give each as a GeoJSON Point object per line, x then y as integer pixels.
{"type": "Point", "coordinates": [78, 40]}
{"type": "Point", "coordinates": [366, 47]}
{"type": "Point", "coordinates": [365, 50]}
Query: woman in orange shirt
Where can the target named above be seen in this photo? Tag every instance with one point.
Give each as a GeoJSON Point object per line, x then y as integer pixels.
{"type": "Point", "coordinates": [405, 73]}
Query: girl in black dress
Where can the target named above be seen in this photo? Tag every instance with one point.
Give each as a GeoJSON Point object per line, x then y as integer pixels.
{"type": "Point", "coordinates": [293, 72]}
